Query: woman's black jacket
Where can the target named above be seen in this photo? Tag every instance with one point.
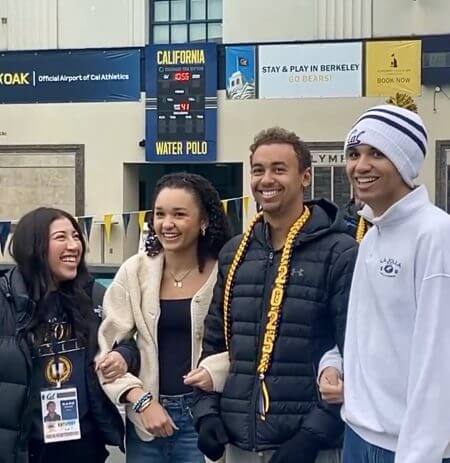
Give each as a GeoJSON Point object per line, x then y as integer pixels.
{"type": "Point", "coordinates": [16, 308]}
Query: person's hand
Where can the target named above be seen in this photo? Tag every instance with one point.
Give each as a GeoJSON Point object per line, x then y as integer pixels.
{"type": "Point", "coordinates": [112, 366]}
{"type": "Point", "coordinates": [300, 448]}
{"type": "Point", "coordinates": [331, 386]}
{"type": "Point", "coordinates": [157, 421]}
{"type": "Point", "coordinates": [199, 378]}
{"type": "Point", "coordinates": [212, 437]}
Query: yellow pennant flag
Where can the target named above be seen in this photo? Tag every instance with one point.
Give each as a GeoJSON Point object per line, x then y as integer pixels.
{"type": "Point", "coordinates": [245, 201]}
{"type": "Point", "coordinates": [141, 219]}
{"type": "Point", "coordinates": [225, 205]}
{"type": "Point", "coordinates": [107, 220]}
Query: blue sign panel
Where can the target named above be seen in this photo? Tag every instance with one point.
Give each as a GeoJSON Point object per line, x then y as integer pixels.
{"type": "Point", "coordinates": [70, 76]}
{"type": "Point", "coordinates": [436, 60]}
{"type": "Point", "coordinates": [181, 105]}
{"type": "Point", "coordinates": [240, 72]}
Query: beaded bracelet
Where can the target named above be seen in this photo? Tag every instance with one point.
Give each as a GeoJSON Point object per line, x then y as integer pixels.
{"type": "Point", "coordinates": [142, 403]}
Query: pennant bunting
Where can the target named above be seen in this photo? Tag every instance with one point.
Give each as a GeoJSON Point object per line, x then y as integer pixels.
{"type": "Point", "coordinates": [141, 219]}
{"type": "Point", "coordinates": [107, 220]}
{"type": "Point", "coordinates": [126, 220]}
{"type": "Point", "coordinates": [238, 203]}
{"type": "Point", "coordinates": [88, 226]}
{"type": "Point", "coordinates": [245, 201]}
{"type": "Point", "coordinates": [225, 205]}
{"type": "Point", "coordinates": [80, 221]}
{"type": "Point", "coordinates": [5, 228]}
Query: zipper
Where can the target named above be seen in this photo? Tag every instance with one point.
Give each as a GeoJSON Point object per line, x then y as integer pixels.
{"type": "Point", "coordinates": [256, 384]}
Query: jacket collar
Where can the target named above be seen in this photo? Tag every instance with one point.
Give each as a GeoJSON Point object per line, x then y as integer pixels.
{"type": "Point", "coordinates": [150, 274]}
{"type": "Point", "coordinates": [324, 219]}
{"type": "Point", "coordinates": [401, 210]}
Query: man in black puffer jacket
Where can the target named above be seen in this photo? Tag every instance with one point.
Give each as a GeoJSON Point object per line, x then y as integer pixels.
{"type": "Point", "coordinates": [282, 290]}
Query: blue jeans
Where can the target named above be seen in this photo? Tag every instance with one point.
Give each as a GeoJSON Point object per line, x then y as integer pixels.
{"type": "Point", "coordinates": [181, 447]}
{"type": "Point", "coordinates": [357, 450]}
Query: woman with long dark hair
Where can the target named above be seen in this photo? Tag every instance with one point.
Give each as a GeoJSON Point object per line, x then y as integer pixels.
{"type": "Point", "coordinates": [52, 406]}
{"type": "Point", "coordinates": [162, 295]}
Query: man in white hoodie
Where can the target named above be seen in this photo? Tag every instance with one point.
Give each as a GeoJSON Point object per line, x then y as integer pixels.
{"type": "Point", "coordinates": [397, 345]}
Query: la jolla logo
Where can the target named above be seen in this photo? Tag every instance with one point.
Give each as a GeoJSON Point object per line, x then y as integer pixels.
{"type": "Point", "coordinates": [389, 267]}
{"type": "Point", "coordinates": [353, 138]}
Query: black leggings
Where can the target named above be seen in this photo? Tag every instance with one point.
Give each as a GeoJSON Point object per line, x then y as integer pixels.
{"type": "Point", "coordinates": [88, 449]}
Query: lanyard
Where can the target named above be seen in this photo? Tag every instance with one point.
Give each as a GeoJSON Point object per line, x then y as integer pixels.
{"type": "Point", "coordinates": [54, 341]}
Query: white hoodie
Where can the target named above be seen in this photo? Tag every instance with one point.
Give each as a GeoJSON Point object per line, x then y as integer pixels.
{"type": "Point", "coordinates": [397, 346]}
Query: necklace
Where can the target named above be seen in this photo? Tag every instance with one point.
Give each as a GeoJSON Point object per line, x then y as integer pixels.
{"type": "Point", "coordinates": [178, 282]}
{"type": "Point", "coordinates": [276, 301]}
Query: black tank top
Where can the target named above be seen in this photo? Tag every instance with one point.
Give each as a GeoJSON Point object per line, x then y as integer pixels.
{"type": "Point", "coordinates": [174, 345]}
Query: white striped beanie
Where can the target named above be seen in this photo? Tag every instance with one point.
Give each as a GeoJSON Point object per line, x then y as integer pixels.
{"type": "Point", "coordinates": [396, 132]}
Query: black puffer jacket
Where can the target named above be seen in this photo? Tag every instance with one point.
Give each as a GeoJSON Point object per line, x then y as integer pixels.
{"type": "Point", "coordinates": [312, 322]}
{"type": "Point", "coordinates": [15, 374]}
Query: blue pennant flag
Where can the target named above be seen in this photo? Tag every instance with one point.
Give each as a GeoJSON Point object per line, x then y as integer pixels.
{"type": "Point", "coordinates": [126, 221]}
{"type": "Point", "coordinates": [5, 229]}
{"type": "Point", "coordinates": [239, 207]}
{"type": "Point", "coordinates": [88, 226]}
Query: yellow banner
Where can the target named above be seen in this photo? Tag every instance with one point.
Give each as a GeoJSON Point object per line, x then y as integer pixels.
{"type": "Point", "coordinates": [392, 67]}
{"type": "Point", "coordinates": [141, 219]}
{"type": "Point", "coordinates": [107, 220]}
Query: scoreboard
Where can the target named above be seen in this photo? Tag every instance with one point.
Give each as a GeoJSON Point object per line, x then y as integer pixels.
{"type": "Point", "coordinates": [181, 103]}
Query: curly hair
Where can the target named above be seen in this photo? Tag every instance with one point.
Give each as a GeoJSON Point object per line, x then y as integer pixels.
{"type": "Point", "coordinates": [206, 196]}
{"type": "Point", "coordinates": [280, 135]}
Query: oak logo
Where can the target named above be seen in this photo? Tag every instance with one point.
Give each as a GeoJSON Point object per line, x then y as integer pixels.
{"type": "Point", "coordinates": [15, 78]}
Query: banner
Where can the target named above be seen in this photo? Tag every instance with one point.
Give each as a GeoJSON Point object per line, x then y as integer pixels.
{"type": "Point", "coordinates": [310, 71]}
{"type": "Point", "coordinates": [240, 72]}
{"type": "Point", "coordinates": [5, 229]}
{"type": "Point", "coordinates": [392, 67]}
{"type": "Point", "coordinates": [181, 104]}
{"type": "Point", "coordinates": [245, 201]}
{"type": "Point", "coordinates": [107, 220]}
{"type": "Point", "coordinates": [126, 221]}
{"type": "Point", "coordinates": [225, 205]}
{"type": "Point", "coordinates": [70, 76]}
{"type": "Point", "coordinates": [86, 225]}
{"type": "Point", "coordinates": [239, 207]}
{"type": "Point", "coordinates": [141, 219]}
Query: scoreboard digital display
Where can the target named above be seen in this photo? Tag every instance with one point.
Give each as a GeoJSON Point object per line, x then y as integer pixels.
{"type": "Point", "coordinates": [181, 109]}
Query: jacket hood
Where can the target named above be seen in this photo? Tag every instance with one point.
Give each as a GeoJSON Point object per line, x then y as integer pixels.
{"type": "Point", "coordinates": [325, 219]}
{"type": "Point", "coordinates": [16, 289]}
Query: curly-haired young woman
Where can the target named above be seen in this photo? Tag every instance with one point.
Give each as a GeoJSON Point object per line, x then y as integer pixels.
{"type": "Point", "coordinates": [163, 296]}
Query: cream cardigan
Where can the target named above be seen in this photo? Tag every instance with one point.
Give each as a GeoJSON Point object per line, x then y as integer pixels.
{"type": "Point", "coordinates": [131, 306]}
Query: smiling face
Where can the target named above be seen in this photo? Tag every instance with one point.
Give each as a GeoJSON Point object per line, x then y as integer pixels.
{"type": "Point", "coordinates": [375, 179]}
{"type": "Point", "coordinates": [64, 250]}
{"type": "Point", "coordinates": [277, 180]}
{"type": "Point", "coordinates": [177, 219]}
